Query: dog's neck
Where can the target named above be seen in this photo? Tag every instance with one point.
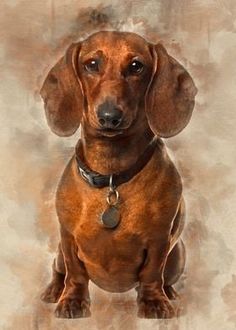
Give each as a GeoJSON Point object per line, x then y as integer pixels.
{"type": "Point", "coordinates": [112, 155]}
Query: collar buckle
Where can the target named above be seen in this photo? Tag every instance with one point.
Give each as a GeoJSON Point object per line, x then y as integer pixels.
{"type": "Point", "coordinates": [87, 177]}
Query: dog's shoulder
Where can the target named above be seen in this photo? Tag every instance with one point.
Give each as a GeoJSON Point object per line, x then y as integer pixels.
{"type": "Point", "coordinates": [164, 171]}
{"type": "Point", "coordinates": [164, 161]}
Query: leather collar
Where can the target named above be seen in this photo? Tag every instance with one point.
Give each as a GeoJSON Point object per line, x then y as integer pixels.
{"type": "Point", "coordinates": [98, 180]}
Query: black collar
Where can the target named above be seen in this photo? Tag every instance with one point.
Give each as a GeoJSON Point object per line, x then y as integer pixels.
{"type": "Point", "coordinates": [98, 180]}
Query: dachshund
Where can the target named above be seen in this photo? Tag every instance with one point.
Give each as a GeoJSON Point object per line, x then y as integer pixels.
{"type": "Point", "coordinates": [119, 201]}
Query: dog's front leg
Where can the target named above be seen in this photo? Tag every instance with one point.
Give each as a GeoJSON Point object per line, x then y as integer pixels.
{"type": "Point", "coordinates": [152, 300]}
{"type": "Point", "coordinates": [74, 301]}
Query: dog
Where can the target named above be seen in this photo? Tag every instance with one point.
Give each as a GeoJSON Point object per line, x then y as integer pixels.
{"type": "Point", "coordinates": [119, 201]}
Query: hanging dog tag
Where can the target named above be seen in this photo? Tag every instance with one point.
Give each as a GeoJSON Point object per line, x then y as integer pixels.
{"type": "Point", "coordinates": [111, 216]}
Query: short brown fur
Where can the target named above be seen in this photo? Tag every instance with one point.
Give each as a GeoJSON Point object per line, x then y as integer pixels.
{"type": "Point", "coordinates": [145, 251]}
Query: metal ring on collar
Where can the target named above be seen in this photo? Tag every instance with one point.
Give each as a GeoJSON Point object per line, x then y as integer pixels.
{"type": "Point", "coordinates": [113, 200]}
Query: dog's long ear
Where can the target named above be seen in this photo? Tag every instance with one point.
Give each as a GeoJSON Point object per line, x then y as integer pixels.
{"type": "Point", "coordinates": [170, 96]}
{"type": "Point", "coordinates": [62, 94]}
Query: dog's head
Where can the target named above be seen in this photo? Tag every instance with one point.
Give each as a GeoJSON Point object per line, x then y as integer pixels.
{"type": "Point", "coordinates": [115, 82]}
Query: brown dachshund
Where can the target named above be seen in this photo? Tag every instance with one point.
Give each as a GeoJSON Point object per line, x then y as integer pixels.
{"type": "Point", "coordinates": [119, 201]}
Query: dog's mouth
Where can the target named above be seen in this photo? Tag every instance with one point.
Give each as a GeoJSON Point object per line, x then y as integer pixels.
{"type": "Point", "coordinates": [110, 132]}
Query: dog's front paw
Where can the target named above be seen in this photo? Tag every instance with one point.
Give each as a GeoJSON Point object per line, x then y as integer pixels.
{"type": "Point", "coordinates": [156, 309]}
{"type": "Point", "coordinates": [72, 308]}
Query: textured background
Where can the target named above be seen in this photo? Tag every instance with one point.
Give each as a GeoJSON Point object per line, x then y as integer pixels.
{"type": "Point", "coordinates": [200, 34]}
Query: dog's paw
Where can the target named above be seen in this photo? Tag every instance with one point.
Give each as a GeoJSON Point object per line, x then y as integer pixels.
{"type": "Point", "coordinates": [170, 292]}
{"type": "Point", "coordinates": [53, 292]}
{"type": "Point", "coordinates": [72, 308]}
{"type": "Point", "coordinates": [156, 309]}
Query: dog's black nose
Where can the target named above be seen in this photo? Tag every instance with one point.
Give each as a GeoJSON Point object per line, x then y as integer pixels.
{"type": "Point", "coordinates": [109, 115]}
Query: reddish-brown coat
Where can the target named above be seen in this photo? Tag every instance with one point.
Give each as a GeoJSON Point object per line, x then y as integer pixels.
{"type": "Point", "coordinates": [144, 251]}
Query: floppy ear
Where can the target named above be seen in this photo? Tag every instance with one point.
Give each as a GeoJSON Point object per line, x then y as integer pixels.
{"type": "Point", "coordinates": [170, 96]}
{"type": "Point", "coordinates": [62, 94]}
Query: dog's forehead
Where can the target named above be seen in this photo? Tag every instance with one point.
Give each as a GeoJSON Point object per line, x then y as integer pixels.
{"type": "Point", "coordinates": [112, 42]}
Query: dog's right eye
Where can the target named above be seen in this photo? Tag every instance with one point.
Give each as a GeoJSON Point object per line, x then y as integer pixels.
{"type": "Point", "coordinates": [91, 65]}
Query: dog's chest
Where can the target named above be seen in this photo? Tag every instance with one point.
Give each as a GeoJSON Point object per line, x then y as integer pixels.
{"type": "Point", "coordinates": [112, 257]}
{"type": "Point", "coordinates": [125, 243]}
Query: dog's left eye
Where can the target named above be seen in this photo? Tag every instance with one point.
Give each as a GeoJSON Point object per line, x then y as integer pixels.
{"type": "Point", "coordinates": [91, 65]}
{"type": "Point", "coordinates": [135, 67]}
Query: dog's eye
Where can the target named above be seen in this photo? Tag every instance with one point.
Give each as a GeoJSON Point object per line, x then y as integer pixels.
{"type": "Point", "coordinates": [91, 65]}
{"type": "Point", "coordinates": [135, 67]}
